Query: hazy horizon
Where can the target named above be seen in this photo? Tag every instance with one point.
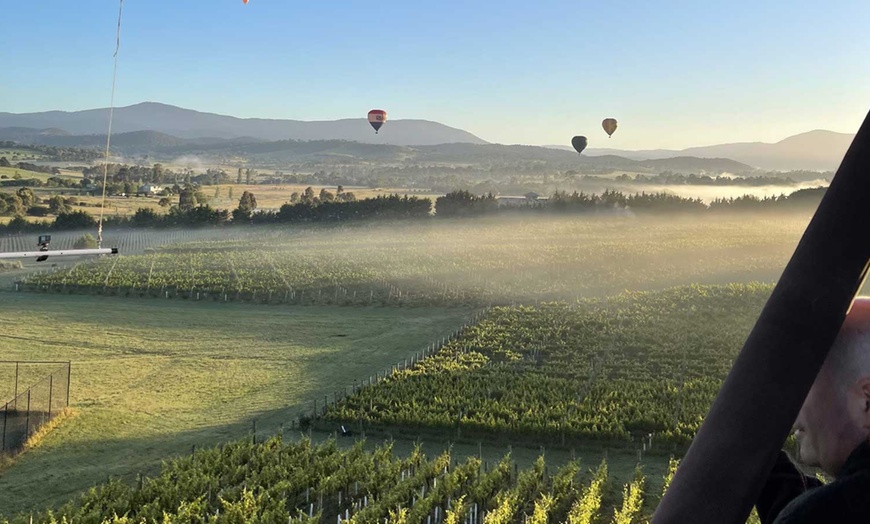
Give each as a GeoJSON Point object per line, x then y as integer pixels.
{"type": "Point", "coordinates": [602, 147]}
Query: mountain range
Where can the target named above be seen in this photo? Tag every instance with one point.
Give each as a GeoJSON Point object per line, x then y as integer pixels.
{"type": "Point", "coordinates": [186, 123]}
{"type": "Point", "coordinates": [817, 150]}
{"type": "Point", "coordinates": [150, 127]}
{"type": "Point", "coordinates": [342, 152]}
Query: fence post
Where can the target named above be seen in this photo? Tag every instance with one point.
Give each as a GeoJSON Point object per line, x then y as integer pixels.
{"type": "Point", "coordinates": [27, 420]}
{"type": "Point", "coordinates": [68, 380]}
{"type": "Point", "coordinates": [5, 416]}
{"type": "Point", "coordinates": [16, 385]}
{"type": "Point", "coordinates": [50, 391]}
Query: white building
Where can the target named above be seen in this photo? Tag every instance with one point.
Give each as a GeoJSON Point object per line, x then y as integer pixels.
{"type": "Point", "coordinates": [150, 190]}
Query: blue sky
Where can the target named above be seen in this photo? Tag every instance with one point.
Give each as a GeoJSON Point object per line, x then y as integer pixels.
{"type": "Point", "coordinates": [675, 73]}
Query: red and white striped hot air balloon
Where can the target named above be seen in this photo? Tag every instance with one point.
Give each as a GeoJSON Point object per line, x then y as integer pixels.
{"type": "Point", "coordinates": [377, 117]}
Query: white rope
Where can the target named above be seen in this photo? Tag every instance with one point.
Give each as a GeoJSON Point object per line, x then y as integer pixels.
{"type": "Point", "coordinates": [109, 133]}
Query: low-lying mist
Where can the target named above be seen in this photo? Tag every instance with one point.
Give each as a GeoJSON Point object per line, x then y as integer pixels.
{"type": "Point", "coordinates": [515, 259]}
{"type": "Point", "coordinates": [708, 193]}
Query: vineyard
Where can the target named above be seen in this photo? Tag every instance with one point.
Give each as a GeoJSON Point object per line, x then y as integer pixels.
{"type": "Point", "coordinates": [468, 263]}
{"type": "Point", "coordinates": [280, 481]}
{"type": "Point", "coordinates": [299, 482]}
{"type": "Point", "coordinates": [560, 355]}
{"type": "Point", "coordinates": [640, 368]}
{"type": "Point", "coordinates": [127, 241]}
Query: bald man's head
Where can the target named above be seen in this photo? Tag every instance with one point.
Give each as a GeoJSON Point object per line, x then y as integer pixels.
{"type": "Point", "coordinates": [850, 356]}
{"type": "Point", "coordinates": [835, 417]}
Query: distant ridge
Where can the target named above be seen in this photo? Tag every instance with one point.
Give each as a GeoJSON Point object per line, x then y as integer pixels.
{"type": "Point", "coordinates": [336, 152]}
{"type": "Point", "coordinates": [817, 150]}
{"type": "Point", "coordinates": [151, 126]}
{"type": "Point", "coordinates": [187, 123]}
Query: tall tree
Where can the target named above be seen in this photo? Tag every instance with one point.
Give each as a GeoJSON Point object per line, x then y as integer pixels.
{"type": "Point", "coordinates": [187, 199]}
{"type": "Point", "coordinates": [57, 205]}
{"type": "Point", "coordinates": [247, 205]}
{"type": "Point", "coordinates": [27, 197]}
{"type": "Point", "coordinates": [326, 196]}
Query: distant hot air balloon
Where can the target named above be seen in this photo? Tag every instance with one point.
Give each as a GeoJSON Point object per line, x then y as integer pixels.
{"type": "Point", "coordinates": [377, 117]}
{"type": "Point", "coordinates": [609, 125]}
{"type": "Point", "coordinates": [245, 2]}
{"type": "Point", "coordinates": [579, 143]}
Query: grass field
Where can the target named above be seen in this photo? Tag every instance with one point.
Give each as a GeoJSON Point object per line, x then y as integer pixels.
{"type": "Point", "coordinates": [152, 379]}
{"type": "Point", "coordinates": [268, 197]}
{"type": "Point", "coordinates": [274, 196]}
{"type": "Point", "coordinates": [6, 220]}
{"type": "Point", "coordinates": [11, 171]}
{"type": "Point", "coordinates": [117, 206]}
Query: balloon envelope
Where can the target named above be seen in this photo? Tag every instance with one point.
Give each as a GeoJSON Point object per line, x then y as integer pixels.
{"type": "Point", "coordinates": [579, 143]}
{"type": "Point", "coordinates": [377, 117]}
{"type": "Point", "coordinates": [609, 125]}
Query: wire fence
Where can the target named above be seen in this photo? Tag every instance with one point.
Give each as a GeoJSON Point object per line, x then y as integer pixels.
{"type": "Point", "coordinates": [30, 406]}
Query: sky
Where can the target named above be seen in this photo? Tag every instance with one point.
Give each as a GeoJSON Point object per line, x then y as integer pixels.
{"type": "Point", "coordinates": [674, 73]}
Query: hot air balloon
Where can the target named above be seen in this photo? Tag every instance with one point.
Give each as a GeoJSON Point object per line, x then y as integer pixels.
{"type": "Point", "coordinates": [377, 117]}
{"type": "Point", "coordinates": [579, 143]}
{"type": "Point", "coordinates": [609, 125]}
{"type": "Point", "coordinates": [245, 2]}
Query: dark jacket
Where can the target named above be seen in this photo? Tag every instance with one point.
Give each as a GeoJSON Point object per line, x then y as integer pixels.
{"type": "Point", "coordinates": [790, 497]}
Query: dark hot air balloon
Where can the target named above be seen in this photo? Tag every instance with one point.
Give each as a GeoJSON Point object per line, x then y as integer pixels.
{"type": "Point", "coordinates": [609, 125]}
{"type": "Point", "coordinates": [377, 117]}
{"type": "Point", "coordinates": [579, 143]}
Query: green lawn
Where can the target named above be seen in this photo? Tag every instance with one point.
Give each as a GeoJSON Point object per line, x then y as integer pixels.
{"type": "Point", "coordinates": [152, 378]}
{"type": "Point", "coordinates": [10, 172]}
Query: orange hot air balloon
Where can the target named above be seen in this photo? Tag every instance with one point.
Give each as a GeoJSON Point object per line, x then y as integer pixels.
{"type": "Point", "coordinates": [377, 117]}
{"type": "Point", "coordinates": [245, 2]}
{"type": "Point", "coordinates": [609, 125]}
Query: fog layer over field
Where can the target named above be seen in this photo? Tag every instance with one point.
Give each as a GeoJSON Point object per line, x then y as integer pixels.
{"type": "Point", "coordinates": [506, 259]}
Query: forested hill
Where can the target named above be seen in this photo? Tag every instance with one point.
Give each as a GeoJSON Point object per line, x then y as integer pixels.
{"type": "Point", "coordinates": [342, 152]}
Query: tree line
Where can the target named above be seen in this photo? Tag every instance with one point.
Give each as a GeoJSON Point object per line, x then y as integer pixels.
{"type": "Point", "coordinates": [327, 207]}
{"type": "Point", "coordinates": [668, 178]}
{"type": "Point", "coordinates": [55, 153]}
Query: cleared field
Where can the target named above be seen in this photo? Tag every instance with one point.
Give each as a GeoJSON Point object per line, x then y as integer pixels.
{"type": "Point", "coordinates": [10, 172]}
{"type": "Point", "coordinates": [268, 197]}
{"type": "Point", "coordinates": [6, 220]}
{"type": "Point", "coordinates": [152, 379]}
{"type": "Point", "coordinates": [115, 206]}
{"type": "Point", "coordinates": [274, 196]}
